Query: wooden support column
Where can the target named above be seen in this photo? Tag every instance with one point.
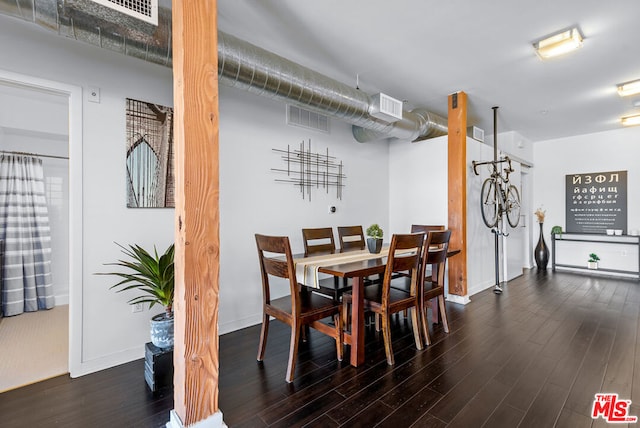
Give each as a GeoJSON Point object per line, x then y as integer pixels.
{"type": "Point", "coordinates": [197, 258]}
{"type": "Point", "coordinates": [457, 147]}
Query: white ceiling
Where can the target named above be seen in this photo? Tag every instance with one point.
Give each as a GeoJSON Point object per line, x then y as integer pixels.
{"type": "Point", "coordinates": [422, 50]}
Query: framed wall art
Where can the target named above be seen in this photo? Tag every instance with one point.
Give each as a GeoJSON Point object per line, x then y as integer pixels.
{"type": "Point", "coordinates": [150, 178]}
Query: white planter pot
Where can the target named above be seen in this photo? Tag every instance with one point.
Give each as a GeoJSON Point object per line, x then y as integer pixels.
{"type": "Point", "coordinates": [592, 265]}
{"type": "Point", "coordinates": [162, 331]}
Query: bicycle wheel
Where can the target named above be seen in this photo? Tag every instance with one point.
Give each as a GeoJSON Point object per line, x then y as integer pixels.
{"type": "Point", "coordinates": [489, 205]}
{"type": "Point", "coordinates": [513, 206]}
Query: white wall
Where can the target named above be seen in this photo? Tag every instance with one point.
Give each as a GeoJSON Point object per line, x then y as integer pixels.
{"type": "Point", "coordinates": [480, 240]}
{"type": "Point", "coordinates": [419, 195]}
{"type": "Point", "coordinates": [111, 333]}
{"type": "Point", "coordinates": [250, 200]}
{"type": "Point", "coordinates": [605, 151]}
{"type": "Point", "coordinates": [417, 184]}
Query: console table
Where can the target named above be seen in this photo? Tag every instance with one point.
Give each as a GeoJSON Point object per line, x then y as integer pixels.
{"type": "Point", "coordinates": [596, 239]}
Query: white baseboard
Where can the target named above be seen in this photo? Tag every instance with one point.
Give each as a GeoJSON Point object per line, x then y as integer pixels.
{"type": "Point", "coordinates": [108, 361]}
{"type": "Point", "coordinates": [61, 300]}
{"type": "Point", "coordinates": [475, 289]}
{"type": "Point", "coordinates": [213, 421]}
{"type": "Point", "coordinates": [235, 325]}
{"type": "Point", "coordinates": [462, 300]}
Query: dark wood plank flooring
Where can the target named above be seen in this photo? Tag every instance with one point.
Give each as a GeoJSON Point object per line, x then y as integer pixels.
{"type": "Point", "coordinates": [531, 357]}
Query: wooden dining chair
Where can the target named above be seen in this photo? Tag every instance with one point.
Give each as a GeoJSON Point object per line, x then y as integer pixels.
{"type": "Point", "coordinates": [297, 309]}
{"type": "Point", "coordinates": [321, 241]}
{"type": "Point", "coordinates": [351, 238]}
{"type": "Point", "coordinates": [426, 228]}
{"type": "Point", "coordinates": [384, 300]}
{"type": "Point", "coordinates": [429, 270]}
{"type": "Point", "coordinates": [415, 228]}
{"type": "Point", "coordinates": [318, 240]}
{"type": "Point", "coordinates": [432, 286]}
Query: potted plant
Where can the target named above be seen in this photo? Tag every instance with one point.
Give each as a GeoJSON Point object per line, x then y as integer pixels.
{"type": "Point", "coordinates": [556, 230]}
{"type": "Point", "coordinates": [153, 277]}
{"type": "Point", "coordinates": [593, 261]}
{"type": "Point", "coordinates": [374, 238]}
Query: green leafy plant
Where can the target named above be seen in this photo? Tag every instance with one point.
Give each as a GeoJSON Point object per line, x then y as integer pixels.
{"type": "Point", "coordinates": [374, 231]}
{"type": "Point", "coordinates": [593, 257]}
{"type": "Point", "coordinates": [152, 275]}
{"type": "Point", "coordinates": [556, 230]}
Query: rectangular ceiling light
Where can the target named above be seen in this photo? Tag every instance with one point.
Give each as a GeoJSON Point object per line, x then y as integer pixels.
{"type": "Point", "coordinates": [631, 120]}
{"type": "Point", "coordinates": [559, 43]}
{"type": "Point", "coordinates": [629, 88]}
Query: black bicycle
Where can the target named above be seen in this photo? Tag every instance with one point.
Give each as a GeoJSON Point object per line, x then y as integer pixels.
{"type": "Point", "coordinates": [498, 196]}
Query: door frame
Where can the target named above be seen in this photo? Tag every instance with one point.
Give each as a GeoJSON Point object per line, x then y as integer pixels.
{"type": "Point", "coordinates": [74, 94]}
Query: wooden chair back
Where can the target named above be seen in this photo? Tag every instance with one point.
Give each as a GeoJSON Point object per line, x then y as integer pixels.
{"type": "Point", "coordinates": [276, 259]}
{"type": "Point", "coordinates": [403, 263]}
{"type": "Point", "coordinates": [426, 228]}
{"type": "Point", "coordinates": [318, 240]}
{"type": "Point", "coordinates": [297, 310]}
{"type": "Point", "coordinates": [435, 254]}
{"type": "Point", "coordinates": [351, 238]}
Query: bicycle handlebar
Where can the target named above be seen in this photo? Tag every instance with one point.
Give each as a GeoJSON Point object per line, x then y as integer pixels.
{"type": "Point", "coordinates": [508, 170]}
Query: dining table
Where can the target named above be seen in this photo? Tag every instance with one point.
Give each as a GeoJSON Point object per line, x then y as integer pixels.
{"type": "Point", "coordinates": [354, 264]}
{"type": "Point", "coordinates": [357, 265]}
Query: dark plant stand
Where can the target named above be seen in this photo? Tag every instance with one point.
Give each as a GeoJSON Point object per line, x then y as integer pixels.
{"type": "Point", "coordinates": [158, 367]}
{"type": "Point", "coordinates": [541, 252]}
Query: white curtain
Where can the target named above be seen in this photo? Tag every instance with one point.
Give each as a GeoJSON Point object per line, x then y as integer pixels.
{"type": "Point", "coordinates": [24, 228]}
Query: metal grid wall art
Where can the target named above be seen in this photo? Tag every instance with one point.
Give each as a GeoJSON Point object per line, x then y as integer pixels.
{"type": "Point", "coordinates": [308, 170]}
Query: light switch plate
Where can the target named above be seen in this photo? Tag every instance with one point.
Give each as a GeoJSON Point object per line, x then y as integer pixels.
{"type": "Point", "coordinates": [93, 94]}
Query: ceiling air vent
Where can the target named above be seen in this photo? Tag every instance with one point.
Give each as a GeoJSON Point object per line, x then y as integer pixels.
{"type": "Point", "coordinates": [476, 133]}
{"type": "Point", "coordinates": [307, 119]}
{"type": "Point", "coordinates": [145, 10]}
{"type": "Point", "coordinates": [386, 108]}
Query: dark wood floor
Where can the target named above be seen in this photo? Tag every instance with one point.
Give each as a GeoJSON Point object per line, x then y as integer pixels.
{"type": "Point", "coordinates": [531, 357]}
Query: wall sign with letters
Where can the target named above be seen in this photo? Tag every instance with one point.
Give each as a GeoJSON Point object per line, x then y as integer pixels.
{"type": "Point", "coordinates": [596, 202]}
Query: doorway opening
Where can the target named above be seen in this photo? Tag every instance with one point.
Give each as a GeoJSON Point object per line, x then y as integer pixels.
{"type": "Point", "coordinates": [43, 121]}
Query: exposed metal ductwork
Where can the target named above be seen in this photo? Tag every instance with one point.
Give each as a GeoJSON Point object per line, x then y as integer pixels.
{"type": "Point", "coordinates": [246, 66]}
{"type": "Point", "coordinates": [240, 64]}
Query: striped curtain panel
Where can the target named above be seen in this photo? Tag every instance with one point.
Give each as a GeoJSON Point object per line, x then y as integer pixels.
{"type": "Point", "coordinates": [24, 226]}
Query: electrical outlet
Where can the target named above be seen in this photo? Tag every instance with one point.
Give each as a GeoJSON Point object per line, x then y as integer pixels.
{"type": "Point", "coordinates": [138, 307]}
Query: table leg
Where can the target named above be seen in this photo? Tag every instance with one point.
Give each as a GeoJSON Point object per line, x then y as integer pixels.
{"type": "Point", "coordinates": [357, 322]}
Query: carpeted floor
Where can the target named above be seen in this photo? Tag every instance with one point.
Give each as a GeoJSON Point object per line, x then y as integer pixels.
{"type": "Point", "coordinates": [34, 346]}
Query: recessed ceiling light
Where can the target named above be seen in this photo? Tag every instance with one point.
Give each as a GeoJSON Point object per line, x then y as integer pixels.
{"type": "Point", "coordinates": [631, 120]}
{"type": "Point", "coordinates": [629, 88]}
{"type": "Point", "coordinates": [559, 43]}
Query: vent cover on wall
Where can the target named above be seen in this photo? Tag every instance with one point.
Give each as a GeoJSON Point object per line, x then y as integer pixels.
{"type": "Point", "coordinates": [386, 108]}
{"type": "Point", "coordinates": [307, 119]}
{"type": "Point", "coordinates": [145, 10]}
{"type": "Point", "coordinates": [476, 133]}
